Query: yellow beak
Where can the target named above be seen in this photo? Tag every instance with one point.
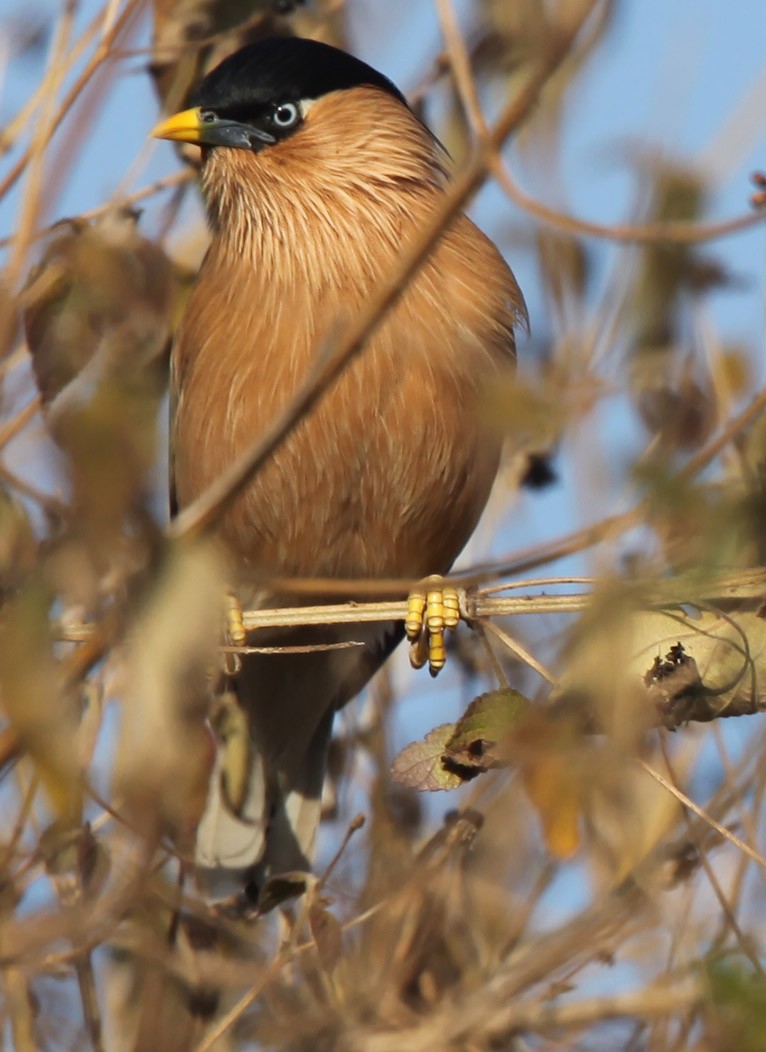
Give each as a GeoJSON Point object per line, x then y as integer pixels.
{"type": "Point", "coordinates": [205, 128]}
{"type": "Point", "coordinates": [186, 126]}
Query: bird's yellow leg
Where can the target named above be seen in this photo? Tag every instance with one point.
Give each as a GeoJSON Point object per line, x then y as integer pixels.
{"type": "Point", "coordinates": [234, 632]}
{"type": "Point", "coordinates": [432, 608]}
{"type": "Point", "coordinates": [230, 724]}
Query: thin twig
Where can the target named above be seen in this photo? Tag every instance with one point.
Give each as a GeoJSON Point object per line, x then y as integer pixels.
{"type": "Point", "coordinates": [677, 232]}
{"type": "Point", "coordinates": [521, 652]}
{"type": "Point", "coordinates": [704, 815]}
{"type": "Point", "coordinates": [654, 593]}
{"type": "Point", "coordinates": [726, 908]}
{"type": "Point", "coordinates": [175, 179]}
{"type": "Point", "coordinates": [12, 427]}
{"type": "Point", "coordinates": [461, 68]}
{"type": "Point", "coordinates": [101, 55]}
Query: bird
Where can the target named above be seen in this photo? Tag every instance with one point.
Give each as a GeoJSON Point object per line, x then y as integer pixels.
{"type": "Point", "coordinates": [316, 174]}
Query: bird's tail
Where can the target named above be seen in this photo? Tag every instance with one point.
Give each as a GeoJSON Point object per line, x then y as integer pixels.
{"type": "Point", "coordinates": [274, 726]}
{"type": "Point", "coordinates": [270, 825]}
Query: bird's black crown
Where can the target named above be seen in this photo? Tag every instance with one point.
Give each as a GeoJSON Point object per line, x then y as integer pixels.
{"type": "Point", "coordinates": [284, 68]}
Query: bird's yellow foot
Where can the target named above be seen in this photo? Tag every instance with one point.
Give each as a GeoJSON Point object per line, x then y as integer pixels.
{"type": "Point", "coordinates": [229, 721]}
{"type": "Point", "coordinates": [432, 608]}
{"type": "Point", "coordinates": [235, 633]}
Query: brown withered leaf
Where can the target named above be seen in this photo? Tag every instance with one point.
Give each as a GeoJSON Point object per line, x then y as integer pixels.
{"type": "Point", "coordinates": [710, 673]}
{"type": "Point", "coordinates": [566, 267]}
{"type": "Point", "coordinates": [557, 790]}
{"type": "Point", "coordinates": [420, 765]}
{"type": "Point", "coordinates": [556, 761]}
{"type": "Point", "coordinates": [98, 304]}
{"type": "Point", "coordinates": [165, 751]}
{"type": "Point", "coordinates": [480, 738]}
{"type": "Point", "coordinates": [98, 312]}
{"type": "Point", "coordinates": [18, 545]}
{"type": "Point", "coordinates": [282, 888]}
{"type": "Point", "coordinates": [75, 860]}
{"type": "Point", "coordinates": [674, 398]}
{"type": "Point", "coordinates": [41, 713]}
{"type": "Point", "coordinates": [327, 934]}
{"type": "Point", "coordinates": [534, 411]}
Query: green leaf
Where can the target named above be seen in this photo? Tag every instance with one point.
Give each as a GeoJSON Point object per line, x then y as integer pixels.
{"type": "Point", "coordinates": [481, 734]}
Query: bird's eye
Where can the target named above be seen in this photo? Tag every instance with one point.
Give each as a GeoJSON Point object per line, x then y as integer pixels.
{"type": "Point", "coordinates": [286, 115]}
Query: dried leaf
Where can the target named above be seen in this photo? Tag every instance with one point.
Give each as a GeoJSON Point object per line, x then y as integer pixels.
{"type": "Point", "coordinates": [421, 766]}
{"type": "Point", "coordinates": [42, 715]}
{"type": "Point", "coordinates": [327, 934]}
{"type": "Point", "coordinates": [282, 888]}
{"type": "Point", "coordinates": [166, 752]}
{"type": "Point", "coordinates": [557, 791]}
{"type": "Point", "coordinates": [76, 862]}
{"type": "Point", "coordinates": [101, 290]}
{"type": "Point", "coordinates": [721, 662]}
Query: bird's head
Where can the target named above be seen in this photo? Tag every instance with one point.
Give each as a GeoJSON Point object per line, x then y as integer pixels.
{"type": "Point", "coordinates": [290, 122]}
{"type": "Point", "coordinates": [262, 94]}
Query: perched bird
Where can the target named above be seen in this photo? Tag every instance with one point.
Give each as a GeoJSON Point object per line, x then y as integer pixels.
{"type": "Point", "coordinates": [315, 174]}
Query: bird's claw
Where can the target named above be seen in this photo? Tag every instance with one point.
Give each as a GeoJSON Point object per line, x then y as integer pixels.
{"type": "Point", "coordinates": [432, 608]}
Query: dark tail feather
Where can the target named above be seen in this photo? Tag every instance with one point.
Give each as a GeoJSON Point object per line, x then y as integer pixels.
{"type": "Point", "coordinates": [264, 804]}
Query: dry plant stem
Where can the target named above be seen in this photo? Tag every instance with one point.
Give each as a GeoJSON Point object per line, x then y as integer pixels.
{"type": "Point", "coordinates": [86, 981]}
{"type": "Point", "coordinates": [17, 125]}
{"type": "Point", "coordinates": [31, 199]}
{"type": "Point", "coordinates": [616, 524]}
{"type": "Point", "coordinates": [202, 514]}
{"type": "Point", "coordinates": [654, 593]}
{"type": "Point", "coordinates": [553, 551]}
{"type": "Point", "coordinates": [729, 795]}
{"type": "Point", "coordinates": [64, 154]}
{"type": "Point", "coordinates": [492, 1010]}
{"type": "Point", "coordinates": [726, 908]}
{"type": "Point", "coordinates": [641, 233]}
{"type": "Point", "coordinates": [19, 1008]}
{"type": "Point", "coordinates": [314, 648]}
{"type": "Point", "coordinates": [704, 815]}
{"type": "Point", "coordinates": [497, 668]}
{"type": "Point", "coordinates": [748, 416]}
{"type": "Point", "coordinates": [461, 68]}
{"type": "Point", "coordinates": [357, 613]}
{"type": "Point", "coordinates": [238, 1010]}
{"type": "Point", "coordinates": [185, 175]}
{"type": "Point", "coordinates": [746, 815]}
{"type": "Point", "coordinates": [534, 582]}
{"type": "Point", "coordinates": [750, 813]}
{"type": "Point", "coordinates": [86, 926]}
{"type": "Point", "coordinates": [101, 54]}
{"type": "Point", "coordinates": [521, 652]}
{"type": "Point", "coordinates": [51, 505]}
{"type": "Point", "coordinates": [649, 1003]}
{"type": "Point", "coordinates": [12, 427]}
{"type": "Point", "coordinates": [28, 793]}
{"type": "Point", "coordinates": [356, 823]}
{"type": "Point", "coordinates": [14, 359]}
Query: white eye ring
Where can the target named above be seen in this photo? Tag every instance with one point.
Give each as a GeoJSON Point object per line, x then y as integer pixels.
{"type": "Point", "coordinates": [286, 115]}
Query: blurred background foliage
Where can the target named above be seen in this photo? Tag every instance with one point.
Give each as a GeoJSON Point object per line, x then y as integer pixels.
{"type": "Point", "coordinates": [586, 878]}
